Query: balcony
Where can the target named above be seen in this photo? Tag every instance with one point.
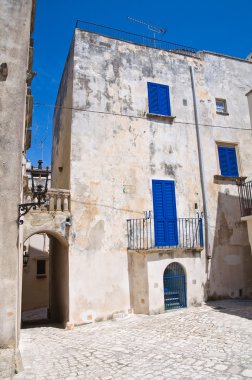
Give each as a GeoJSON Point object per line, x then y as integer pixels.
{"type": "Point", "coordinates": [53, 216]}
{"type": "Point", "coordinates": [245, 198]}
{"type": "Point", "coordinates": [141, 234]}
{"type": "Point", "coordinates": [57, 200]}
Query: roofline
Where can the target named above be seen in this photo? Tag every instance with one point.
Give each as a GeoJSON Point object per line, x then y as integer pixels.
{"type": "Point", "coordinates": [194, 53]}
{"type": "Point", "coordinates": [167, 45]}
{"type": "Point", "coordinates": [248, 93]}
{"type": "Point", "coordinates": [226, 56]}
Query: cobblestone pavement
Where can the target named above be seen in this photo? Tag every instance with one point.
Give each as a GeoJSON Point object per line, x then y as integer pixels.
{"type": "Point", "coordinates": [7, 363]}
{"type": "Point", "coordinates": [209, 342]}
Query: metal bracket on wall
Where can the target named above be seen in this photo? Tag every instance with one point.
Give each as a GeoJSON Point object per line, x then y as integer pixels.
{"type": "Point", "coordinates": [24, 208]}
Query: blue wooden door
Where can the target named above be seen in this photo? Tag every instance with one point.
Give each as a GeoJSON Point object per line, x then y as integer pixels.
{"type": "Point", "coordinates": [165, 214]}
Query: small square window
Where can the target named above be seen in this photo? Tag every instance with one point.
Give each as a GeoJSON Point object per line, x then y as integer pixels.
{"type": "Point", "coordinates": [221, 106]}
{"type": "Point", "coordinates": [228, 161]}
{"type": "Point", "coordinates": [41, 267]}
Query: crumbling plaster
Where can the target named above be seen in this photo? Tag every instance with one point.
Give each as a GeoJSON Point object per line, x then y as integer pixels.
{"type": "Point", "coordinates": [249, 96]}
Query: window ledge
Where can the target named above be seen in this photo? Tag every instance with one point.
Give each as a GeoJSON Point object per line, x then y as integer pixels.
{"type": "Point", "coordinates": [222, 113]}
{"type": "Point", "coordinates": [161, 117]}
{"type": "Point", "coordinates": [232, 180]}
{"type": "Point", "coordinates": [41, 275]}
{"type": "Point", "coordinates": [177, 250]}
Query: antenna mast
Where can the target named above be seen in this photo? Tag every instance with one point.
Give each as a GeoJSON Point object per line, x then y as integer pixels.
{"type": "Point", "coordinates": [154, 29]}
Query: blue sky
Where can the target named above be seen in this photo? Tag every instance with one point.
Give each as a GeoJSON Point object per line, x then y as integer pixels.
{"type": "Point", "coordinates": [222, 26]}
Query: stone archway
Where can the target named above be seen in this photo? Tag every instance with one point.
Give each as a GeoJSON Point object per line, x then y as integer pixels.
{"type": "Point", "coordinates": [57, 274]}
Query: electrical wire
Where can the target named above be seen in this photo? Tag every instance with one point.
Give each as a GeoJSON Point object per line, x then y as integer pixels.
{"type": "Point", "coordinates": [134, 116]}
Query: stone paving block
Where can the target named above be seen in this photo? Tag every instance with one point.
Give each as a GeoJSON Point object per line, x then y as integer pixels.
{"type": "Point", "coordinates": [247, 372]}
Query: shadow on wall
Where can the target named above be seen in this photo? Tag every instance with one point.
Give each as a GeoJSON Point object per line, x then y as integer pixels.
{"type": "Point", "coordinates": [230, 269]}
{"type": "Point", "coordinates": [59, 282]}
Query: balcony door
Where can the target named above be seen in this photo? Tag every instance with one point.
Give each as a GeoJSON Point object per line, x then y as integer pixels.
{"type": "Point", "coordinates": [165, 213]}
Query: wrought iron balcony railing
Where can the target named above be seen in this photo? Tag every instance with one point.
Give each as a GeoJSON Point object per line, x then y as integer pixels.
{"type": "Point", "coordinates": [135, 38]}
{"type": "Point", "coordinates": [141, 235]}
{"type": "Point", "coordinates": [245, 197]}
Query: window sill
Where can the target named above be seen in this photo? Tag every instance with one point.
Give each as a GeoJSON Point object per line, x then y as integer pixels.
{"type": "Point", "coordinates": [231, 180]}
{"type": "Point", "coordinates": [41, 275]}
{"type": "Point", "coordinates": [161, 117]}
{"type": "Point", "coordinates": [222, 113]}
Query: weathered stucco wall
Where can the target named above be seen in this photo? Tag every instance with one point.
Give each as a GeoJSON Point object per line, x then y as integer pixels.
{"type": "Point", "coordinates": [230, 270]}
{"type": "Point", "coordinates": [138, 282]}
{"type": "Point", "coordinates": [248, 220]}
{"type": "Point", "coordinates": [62, 127]}
{"type": "Point", "coordinates": [146, 272]}
{"type": "Point", "coordinates": [116, 151]}
{"type": "Point", "coordinates": [15, 20]}
{"type": "Point", "coordinates": [249, 95]}
{"type": "Point", "coordinates": [192, 265]}
{"type": "Point", "coordinates": [116, 156]}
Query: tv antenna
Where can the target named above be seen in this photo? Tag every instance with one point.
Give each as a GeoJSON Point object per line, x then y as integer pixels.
{"type": "Point", "coordinates": [154, 29]}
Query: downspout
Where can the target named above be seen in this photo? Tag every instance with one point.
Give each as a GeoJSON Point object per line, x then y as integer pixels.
{"type": "Point", "coordinates": [201, 168]}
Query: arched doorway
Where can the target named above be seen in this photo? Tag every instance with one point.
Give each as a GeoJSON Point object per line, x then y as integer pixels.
{"type": "Point", "coordinates": [45, 284]}
{"type": "Point", "coordinates": [35, 284]}
{"type": "Point", "coordinates": [174, 287]}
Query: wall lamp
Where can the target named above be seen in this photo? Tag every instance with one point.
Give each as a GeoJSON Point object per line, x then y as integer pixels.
{"type": "Point", "coordinates": [25, 259]}
{"type": "Point", "coordinates": [39, 185]}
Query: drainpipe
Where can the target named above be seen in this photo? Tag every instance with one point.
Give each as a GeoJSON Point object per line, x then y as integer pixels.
{"type": "Point", "coordinates": [201, 167]}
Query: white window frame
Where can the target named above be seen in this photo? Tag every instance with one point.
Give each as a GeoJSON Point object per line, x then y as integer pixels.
{"type": "Point", "coordinates": [222, 109]}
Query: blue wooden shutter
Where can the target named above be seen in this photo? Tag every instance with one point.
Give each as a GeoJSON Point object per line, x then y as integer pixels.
{"type": "Point", "coordinates": [165, 215]}
{"type": "Point", "coordinates": [159, 99]}
{"type": "Point", "coordinates": [201, 236]}
{"type": "Point", "coordinates": [228, 161]}
{"type": "Point", "coordinates": [164, 100]}
{"type": "Point", "coordinates": [170, 212]}
{"type": "Point", "coordinates": [232, 161]}
{"type": "Point", "coordinates": [159, 213]}
{"type": "Point", "coordinates": [223, 161]}
{"type": "Point", "coordinates": [153, 98]}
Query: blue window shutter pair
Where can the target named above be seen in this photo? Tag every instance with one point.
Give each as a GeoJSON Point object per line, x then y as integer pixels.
{"type": "Point", "coordinates": [228, 161]}
{"type": "Point", "coordinates": [165, 213]}
{"type": "Point", "coordinates": [159, 99]}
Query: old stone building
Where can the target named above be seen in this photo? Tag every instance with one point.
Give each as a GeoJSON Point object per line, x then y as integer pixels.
{"type": "Point", "coordinates": [148, 137]}
{"type": "Point", "coordinates": [16, 52]}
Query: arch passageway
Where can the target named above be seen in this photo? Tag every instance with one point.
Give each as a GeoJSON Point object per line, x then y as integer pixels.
{"type": "Point", "coordinates": [45, 280]}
